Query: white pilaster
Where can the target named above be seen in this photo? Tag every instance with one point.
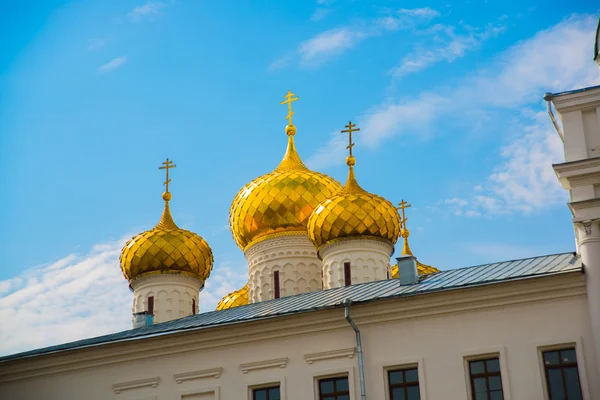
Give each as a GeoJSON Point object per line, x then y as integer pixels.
{"type": "Point", "coordinates": [174, 295]}
{"type": "Point", "coordinates": [369, 261]}
{"type": "Point", "coordinates": [294, 256]}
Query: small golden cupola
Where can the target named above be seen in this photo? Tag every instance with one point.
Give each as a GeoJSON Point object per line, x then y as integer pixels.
{"type": "Point", "coordinates": [168, 256]}
{"type": "Point", "coordinates": [234, 299]}
{"type": "Point", "coordinates": [354, 231]}
{"type": "Point", "coordinates": [269, 216]}
{"type": "Point", "coordinates": [422, 269]}
{"type": "Point", "coordinates": [281, 201]}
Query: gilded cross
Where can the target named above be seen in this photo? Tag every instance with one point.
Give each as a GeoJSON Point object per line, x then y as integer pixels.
{"type": "Point", "coordinates": [351, 128]}
{"type": "Point", "coordinates": [289, 98]}
{"type": "Point", "coordinates": [166, 165]}
{"type": "Point", "coordinates": [403, 205]}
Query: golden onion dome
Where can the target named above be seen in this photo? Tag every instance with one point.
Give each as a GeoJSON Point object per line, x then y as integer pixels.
{"type": "Point", "coordinates": [234, 299]}
{"type": "Point", "coordinates": [353, 212]}
{"type": "Point", "coordinates": [279, 202]}
{"type": "Point", "coordinates": [166, 249]}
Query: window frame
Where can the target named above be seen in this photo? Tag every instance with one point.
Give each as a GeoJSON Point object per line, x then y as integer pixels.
{"type": "Point", "coordinates": [276, 285]}
{"type": "Point", "coordinates": [561, 366]}
{"type": "Point", "coordinates": [347, 273]}
{"type": "Point", "coordinates": [266, 387]}
{"type": "Point", "coordinates": [486, 374]}
{"type": "Point", "coordinates": [561, 343]}
{"type": "Point", "coordinates": [485, 353]}
{"type": "Point", "coordinates": [405, 385]}
{"type": "Point", "coordinates": [335, 393]}
{"type": "Point", "coordinates": [150, 305]}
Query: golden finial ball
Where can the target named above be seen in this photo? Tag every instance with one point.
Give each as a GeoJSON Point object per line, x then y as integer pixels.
{"type": "Point", "coordinates": [350, 160]}
{"type": "Point", "coordinates": [167, 196]}
{"type": "Point", "coordinates": [290, 130]}
{"type": "Point", "coordinates": [405, 233]}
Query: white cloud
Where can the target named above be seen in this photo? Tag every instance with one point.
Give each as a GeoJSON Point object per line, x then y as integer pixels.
{"type": "Point", "coordinates": [97, 43]}
{"type": "Point", "coordinates": [319, 14]}
{"type": "Point", "coordinates": [331, 43]}
{"type": "Point", "coordinates": [82, 296]}
{"type": "Point", "coordinates": [447, 46]}
{"type": "Point", "coordinates": [112, 64]}
{"type": "Point", "coordinates": [554, 59]}
{"type": "Point", "coordinates": [148, 10]}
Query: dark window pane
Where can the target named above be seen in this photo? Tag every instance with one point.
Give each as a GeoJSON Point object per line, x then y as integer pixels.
{"type": "Point", "coordinates": [495, 383]}
{"type": "Point", "coordinates": [493, 365]}
{"type": "Point", "coordinates": [260, 394]}
{"type": "Point", "coordinates": [396, 377]}
{"type": "Point", "coordinates": [326, 387]}
{"type": "Point", "coordinates": [477, 367]}
{"type": "Point", "coordinates": [343, 397]}
{"type": "Point", "coordinates": [413, 393]}
{"type": "Point", "coordinates": [329, 398]}
{"type": "Point", "coordinates": [398, 394]}
{"type": "Point", "coordinates": [573, 388]}
{"type": "Point", "coordinates": [341, 384]}
{"type": "Point", "coordinates": [480, 385]}
{"type": "Point", "coordinates": [568, 356]}
{"type": "Point", "coordinates": [481, 396]}
{"type": "Point", "coordinates": [274, 394]}
{"type": "Point", "coordinates": [551, 358]}
{"type": "Point", "coordinates": [555, 384]}
{"type": "Point", "coordinates": [496, 396]}
{"type": "Point", "coordinates": [412, 375]}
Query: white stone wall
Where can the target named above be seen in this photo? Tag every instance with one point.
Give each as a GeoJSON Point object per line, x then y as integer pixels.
{"type": "Point", "coordinates": [580, 175]}
{"type": "Point", "coordinates": [173, 295]}
{"type": "Point", "coordinates": [369, 261]}
{"type": "Point", "coordinates": [294, 256]}
{"type": "Point", "coordinates": [437, 332]}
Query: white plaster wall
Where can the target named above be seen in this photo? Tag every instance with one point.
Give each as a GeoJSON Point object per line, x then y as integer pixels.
{"type": "Point", "coordinates": [438, 344]}
{"type": "Point", "coordinates": [293, 256]}
{"type": "Point", "coordinates": [369, 261]}
{"type": "Point", "coordinates": [173, 295]}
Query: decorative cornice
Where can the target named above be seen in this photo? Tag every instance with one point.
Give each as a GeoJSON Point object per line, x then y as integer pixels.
{"type": "Point", "coordinates": [284, 241]}
{"type": "Point", "coordinates": [277, 362]}
{"type": "Point", "coordinates": [501, 294]}
{"type": "Point", "coordinates": [326, 355]}
{"type": "Point", "coordinates": [205, 373]}
{"type": "Point", "coordinates": [150, 278]}
{"type": "Point", "coordinates": [342, 244]}
{"type": "Point", "coordinates": [577, 100]}
{"type": "Point", "coordinates": [119, 387]}
{"type": "Point", "coordinates": [275, 235]}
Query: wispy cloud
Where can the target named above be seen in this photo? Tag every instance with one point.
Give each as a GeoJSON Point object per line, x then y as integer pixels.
{"type": "Point", "coordinates": [320, 13]}
{"type": "Point", "coordinates": [516, 79]}
{"type": "Point", "coordinates": [448, 46]}
{"type": "Point", "coordinates": [82, 296]}
{"type": "Point", "coordinates": [148, 10]}
{"type": "Point", "coordinates": [97, 43]}
{"type": "Point", "coordinates": [112, 64]}
{"type": "Point", "coordinates": [331, 43]}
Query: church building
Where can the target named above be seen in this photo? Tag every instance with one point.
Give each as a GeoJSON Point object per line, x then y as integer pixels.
{"type": "Point", "coordinates": [326, 314]}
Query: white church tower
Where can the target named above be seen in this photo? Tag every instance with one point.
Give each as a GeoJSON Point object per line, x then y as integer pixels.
{"type": "Point", "coordinates": [579, 112]}
{"type": "Point", "coordinates": [166, 268]}
{"type": "Point", "coordinates": [268, 220]}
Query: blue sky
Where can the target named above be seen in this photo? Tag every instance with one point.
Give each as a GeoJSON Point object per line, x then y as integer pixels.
{"type": "Point", "coordinates": [94, 95]}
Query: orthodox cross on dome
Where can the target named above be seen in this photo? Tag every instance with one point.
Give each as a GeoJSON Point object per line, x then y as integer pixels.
{"type": "Point", "coordinates": [289, 98]}
{"type": "Point", "coordinates": [403, 205]}
{"type": "Point", "coordinates": [166, 165]}
{"type": "Point", "coordinates": [351, 128]}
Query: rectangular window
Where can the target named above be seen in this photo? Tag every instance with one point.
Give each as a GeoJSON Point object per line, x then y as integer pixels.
{"type": "Point", "coordinates": [562, 376]}
{"type": "Point", "coordinates": [151, 305]}
{"type": "Point", "coordinates": [276, 284]}
{"type": "Point", "coordinates": [404, 384]}
{"type": "Point", "coordinates": [269, 393]}
{"type": "Point", "coordinates": [334, 389]}
{"type": "Point", "coordinates": [486, 381]}
{"type": "Point", "coordinates": [193, 306]}
{"type": "Point", "coordinates": [347, 274]}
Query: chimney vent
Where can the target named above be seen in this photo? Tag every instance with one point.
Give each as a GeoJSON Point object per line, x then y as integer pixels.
{"type": "Point", "coordinates": [407, 270]}
{"type": "Point", "coordinates": [142, 319]}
